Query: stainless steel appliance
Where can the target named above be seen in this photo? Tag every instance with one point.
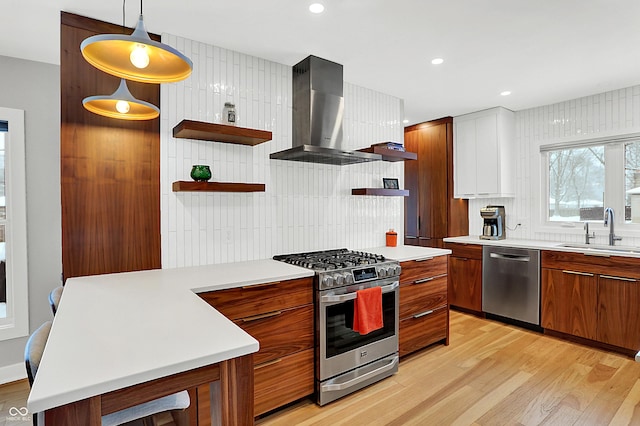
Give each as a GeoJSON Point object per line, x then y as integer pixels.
{"type": "Point", "coordinates": [318, 110]}
{"type": "Point", "coordinates": [511, 283]}
{"type": "Point", "coordinates": [346, 360]}
{"type": "Point", "coordinates": [493, 223]}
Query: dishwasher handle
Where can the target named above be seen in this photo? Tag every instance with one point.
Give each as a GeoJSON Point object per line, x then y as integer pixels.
{"type": "Point", "coordinates": [513, 257]}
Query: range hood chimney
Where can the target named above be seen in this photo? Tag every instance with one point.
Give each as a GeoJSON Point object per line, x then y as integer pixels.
{"type": "Point", "coordinates": [318, 109]}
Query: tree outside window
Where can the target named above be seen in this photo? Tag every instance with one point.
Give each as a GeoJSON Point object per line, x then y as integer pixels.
{"type": "Point", "coordinates": [576, 184]}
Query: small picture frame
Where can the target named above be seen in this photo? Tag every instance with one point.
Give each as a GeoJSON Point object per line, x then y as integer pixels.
{"type": "Point", "coordinates": [390, 183]}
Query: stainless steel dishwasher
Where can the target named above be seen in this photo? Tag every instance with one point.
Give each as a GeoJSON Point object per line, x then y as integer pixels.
{"type": "Point", "coordinates": [511, 283]}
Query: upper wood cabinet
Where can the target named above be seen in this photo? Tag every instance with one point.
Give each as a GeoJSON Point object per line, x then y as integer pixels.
{"type": "Point", "coordinates": [431, 212]}
{"type": "Point", "coordinates": [483, 160]}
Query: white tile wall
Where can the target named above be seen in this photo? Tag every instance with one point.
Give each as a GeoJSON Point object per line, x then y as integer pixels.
{"type": "Point", "coordinates": [610, 113]}
{"type": "Point", "coordinates": [305, 206]}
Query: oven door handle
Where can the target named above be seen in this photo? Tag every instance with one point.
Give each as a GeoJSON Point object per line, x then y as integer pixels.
{"type": "Point", "coordinates": [351, 296]}
{"type": "Point", "coordinates": [349, 383]}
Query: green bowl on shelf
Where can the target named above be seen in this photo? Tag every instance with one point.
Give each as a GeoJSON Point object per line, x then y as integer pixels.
{"type": "Point", "coordinates": [200, 173]}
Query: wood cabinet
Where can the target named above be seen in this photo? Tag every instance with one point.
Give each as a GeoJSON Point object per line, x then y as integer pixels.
{"type": "Point", "coordinates": [483, 161]}
{"type": "Point", "coordinates": [619, 311]}
{"type": "Point", "coordinates": [431, 212]}
{"type": "Point", "coordinates": [424, 312]}
{"type": "Point", "coordinates": [592, 297]}
{"type": "Point", "coordinates": [280, 316]}
{"type": "Point", "coordinates": [569, 302]}
{"type": "Point", "coordinates": [465, 276]}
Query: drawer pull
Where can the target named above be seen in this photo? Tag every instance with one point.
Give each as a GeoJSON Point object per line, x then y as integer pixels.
{"type": "Point", "coordinates": [631, 280]}
{"type": "Point", "coordinates": [426, 280]}
{"type": "Point", "coordinates": [261, 316]}
{"type": "Point", "coordinates": [245, 287]}
{"type": "Point", "coordinates": [424, 258]}
{"type": "Point", "coordinates": [586, 274]}
{"type": "Point", "coordinates": [422, 314]}
{"type": "Point", "coordinates": [596, 254]}
{"type": "Point", "coordinates": [268, 363]}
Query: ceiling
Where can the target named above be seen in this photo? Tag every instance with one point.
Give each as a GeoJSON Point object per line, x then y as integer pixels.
{"type": "Point", "coordinates": [543, 51]}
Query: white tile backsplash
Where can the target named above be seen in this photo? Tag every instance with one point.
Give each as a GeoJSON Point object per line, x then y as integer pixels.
{"type": "Point", "coordinates": [610, 113]}
{"type": "Point", "coordinates": [305, 206]}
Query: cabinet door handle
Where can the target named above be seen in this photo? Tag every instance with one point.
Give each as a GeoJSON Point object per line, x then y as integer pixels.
{"type": "Point", "coordinates": [586, 274]}
{"type": "Point", "coordinates": [631, 280]}
{"type": "Point", "coordinates": [246, 287]}
{"type": "Point", "coordinates": [261, 316]}
{"type": "Point", "coordinates": [426, 280]}
{"type": "Point", "coordinates": [268, 363]}
{"type": "Point", "coordinates": [419, 223]}
{"type": "Point", "coordinates": [422, 314]}
{"type": "Point", "coordinates": [424, 258]}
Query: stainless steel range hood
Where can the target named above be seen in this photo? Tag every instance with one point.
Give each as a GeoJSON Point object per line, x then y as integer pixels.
{"type": "Point", "coordinates": [318, 109]}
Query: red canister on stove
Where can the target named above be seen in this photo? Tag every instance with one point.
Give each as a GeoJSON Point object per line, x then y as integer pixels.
{"type": "Point", "coordinates": [392, 238]}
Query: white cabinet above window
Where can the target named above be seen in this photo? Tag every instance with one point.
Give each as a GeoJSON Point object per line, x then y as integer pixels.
{"type": "Point", "coordinates": [483, 154]}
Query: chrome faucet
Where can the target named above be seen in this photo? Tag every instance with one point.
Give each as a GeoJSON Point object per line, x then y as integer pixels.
{"type": "Point", "coordinates": [588, 236]}
{"type": "Point", "coordinates": [609, 219]}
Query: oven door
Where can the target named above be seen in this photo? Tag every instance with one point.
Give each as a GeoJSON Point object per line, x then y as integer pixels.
{"type": "Point", "coordinates": [340, 348]}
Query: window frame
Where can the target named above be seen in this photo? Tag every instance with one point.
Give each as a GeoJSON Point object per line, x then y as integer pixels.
{"type": "Point", "coordinates": [16, 323]}
{"type": "Point", "coordinates": [614, 184]}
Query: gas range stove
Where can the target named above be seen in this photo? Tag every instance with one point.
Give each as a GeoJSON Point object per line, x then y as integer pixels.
{"type": "Point", "coordinates": [342, 267]}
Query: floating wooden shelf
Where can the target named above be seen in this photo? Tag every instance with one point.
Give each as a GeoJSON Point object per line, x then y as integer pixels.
{"type": "Point", "coordinates": [189, 129]}
{"type": "Point", "coordinates": [381, 191]}
{"type": "Point", "coordinates": [183, 186]}
{"type": "Point", "coordinates": [391, 154]}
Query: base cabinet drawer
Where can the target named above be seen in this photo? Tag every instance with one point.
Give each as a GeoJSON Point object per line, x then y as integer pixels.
{"type": "Point", "coordinates": [423, 329]}
{"type": "Point", "coordinates": [419, 297]}
{"type": "Point", "coordinates": [283, 380]}
{"type": "Point", "coordinates": [423, 268]}
{"type": "Point", "coordinates": [259, 299]}
{"type": "Point", "coordinates": [280, 333]}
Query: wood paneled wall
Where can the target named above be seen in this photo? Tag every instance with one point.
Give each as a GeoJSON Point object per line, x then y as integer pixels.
{"type": "Point", "coordinates": [110, 169]}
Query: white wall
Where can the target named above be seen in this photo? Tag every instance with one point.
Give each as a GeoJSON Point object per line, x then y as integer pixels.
{"type": "Point", "coordinates": [305, 206]}
{"type": "Point", "coordinates": [35, 88]}
{"type": "Point", "coordinates": [606, 114]}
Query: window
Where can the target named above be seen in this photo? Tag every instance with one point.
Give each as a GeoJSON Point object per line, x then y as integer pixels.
{"type": "Point", "coordinates": [632, 182]}
{"type": "Point", "coordinates": [582, 178]}
{"type": "Point", "coordinates": [576, 183]}
{"type": "Point", "coordinates": [14, 315]}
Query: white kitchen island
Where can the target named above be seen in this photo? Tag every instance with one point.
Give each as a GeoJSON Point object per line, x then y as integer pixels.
{"type": "Point", "coordinates": [122, 339]}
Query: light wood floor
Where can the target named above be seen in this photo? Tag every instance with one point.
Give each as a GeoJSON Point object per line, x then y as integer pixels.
{"type": "Point", "coordinates": [490, 374]}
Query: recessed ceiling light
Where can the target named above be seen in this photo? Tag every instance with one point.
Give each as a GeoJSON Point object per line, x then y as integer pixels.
{"type": "Point", "coordinates": [316, 8]}
{"type": "Point", "coordinates": [405, 121]}
{"type": "Point", "coordinates": [505, 93]}
{"type": "Point", "coordinates": [437, 61]}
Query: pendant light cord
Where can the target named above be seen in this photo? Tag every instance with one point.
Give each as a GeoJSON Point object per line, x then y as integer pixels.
{"type": "Point", "coordinates": [123, 15]}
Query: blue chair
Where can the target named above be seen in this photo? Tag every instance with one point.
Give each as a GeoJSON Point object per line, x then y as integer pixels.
{"type": "Point", "coordinates": [54, 298]}
{"type": "Point", "coordinates": [176, 403]}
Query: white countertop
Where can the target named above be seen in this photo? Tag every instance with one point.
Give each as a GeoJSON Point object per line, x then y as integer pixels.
{"type": "Point", "coordinates": [404, 253]}
{"type": "Point", "coordinates": [116, 330]}
{"type": "Point", "coordinates": [542, 245]}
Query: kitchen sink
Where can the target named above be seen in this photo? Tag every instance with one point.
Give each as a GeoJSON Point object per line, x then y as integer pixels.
{"type": "Point", "coordinates": [602, 247]}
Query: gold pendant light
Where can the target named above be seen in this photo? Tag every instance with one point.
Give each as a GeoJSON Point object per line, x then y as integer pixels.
{"type": "Point", "coordinates": [122, 105]}
{"type": "Point", "coordinates": [136, 57]}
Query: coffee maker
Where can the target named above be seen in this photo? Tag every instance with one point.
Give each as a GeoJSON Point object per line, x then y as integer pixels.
{"type": "Point", "coordinates": [493, 223]}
